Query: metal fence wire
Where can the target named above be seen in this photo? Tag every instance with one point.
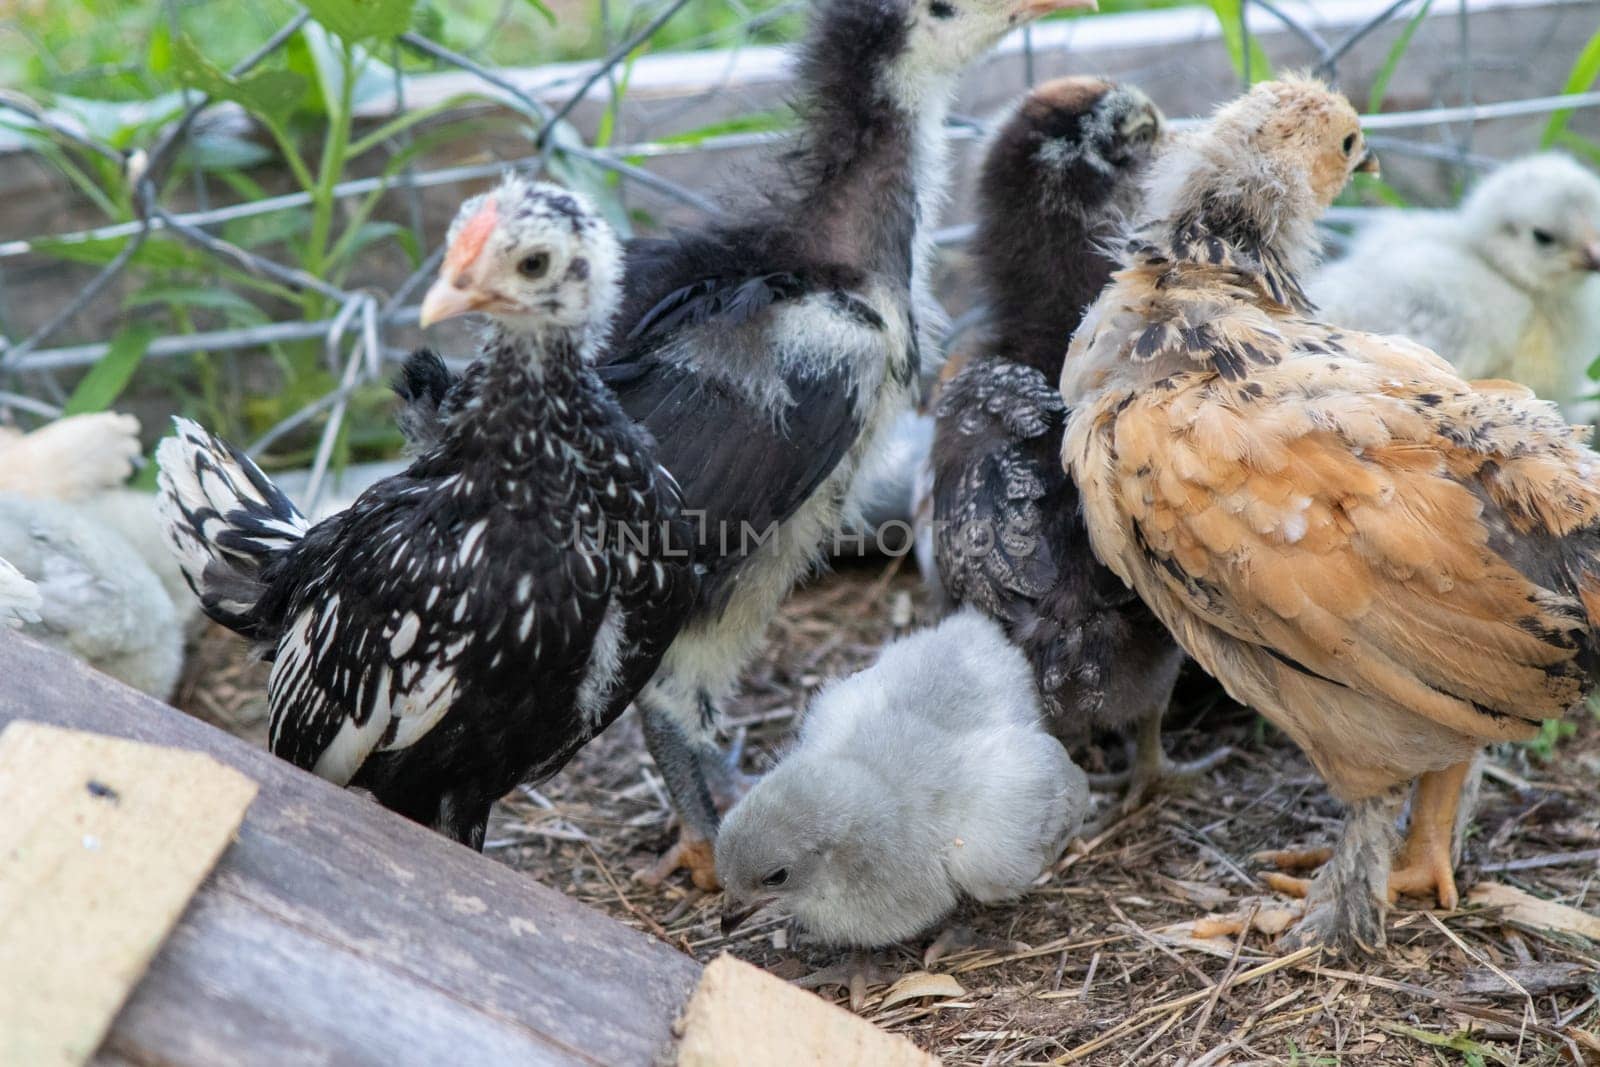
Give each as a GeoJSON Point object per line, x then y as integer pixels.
{"type": "Point", "coordinates": [358, 335]}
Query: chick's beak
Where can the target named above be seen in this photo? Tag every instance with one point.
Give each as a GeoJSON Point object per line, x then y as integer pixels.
{"type": "Point", "coordinates": [447, 298]}
{"type": "Point", "coordinates": [454, 293]}
{"type": "Point", "coordinates": [735, 912]}
{"type": "Point", "coordinates": [1369, 163]}
{"type": "Point", "coordinates": [1589, 255]}
{"type": "Point", "coordinates": [1028, 10]}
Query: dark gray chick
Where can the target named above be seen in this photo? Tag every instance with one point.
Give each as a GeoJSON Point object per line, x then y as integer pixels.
{"type": "Point", "coordinates": [1060, 177]}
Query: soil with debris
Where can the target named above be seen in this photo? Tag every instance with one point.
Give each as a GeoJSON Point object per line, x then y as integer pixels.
{"type": "Point", "coordinates": [1100, 963]}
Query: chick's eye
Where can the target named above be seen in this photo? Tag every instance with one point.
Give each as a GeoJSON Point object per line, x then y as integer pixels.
{"type": "Point", "coordinates": [1349, 143]}
{"type": "Point", "coordinates": [776, 878]}
{"type": "Point", "coordinates": [941, 9]}
{"type": "Point", "coordinates": [1544, 237]}
{"type": "Point", "coordinates": [534, 266]}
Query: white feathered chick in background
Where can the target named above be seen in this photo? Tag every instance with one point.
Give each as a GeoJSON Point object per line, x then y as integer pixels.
{"type": "Point", "coordinates": [1506, 286]}
{"type": "Point", "coordinates": [90, 550]}
{"type": "Point", "coordinates": [70, 458]}
{"type": "Point", "coordinates": [85, 460]}
{"type": "Point", "coordinates": [97, 600]}
{"type": "Point", "coordinates": [926, 777]}
{"type": "Point", "coordinates": [19, 598]}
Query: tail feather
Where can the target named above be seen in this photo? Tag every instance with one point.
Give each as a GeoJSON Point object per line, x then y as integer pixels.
{"type": "Point", "coordinates": [423, 386]}
{"type": "Point", "coordinates": [225, 521]}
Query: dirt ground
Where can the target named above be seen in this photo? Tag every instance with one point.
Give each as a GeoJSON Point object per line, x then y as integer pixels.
{"type": "Point", "coordinates": [1100, 963]}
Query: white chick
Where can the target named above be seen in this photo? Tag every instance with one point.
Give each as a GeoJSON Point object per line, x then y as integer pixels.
{"type": "Point", "coordinates": [925, 777]}
{"type": "Point", "coordinates": [70, 458]}
{"type": "Point", "coordinates": [98, 600]}
{"type": "Point", "coordinates": [133, 515]}
{"type": "Point", "coordinates": [1506, 286]}
{"type": "Point", "coordinates": [19, 598]}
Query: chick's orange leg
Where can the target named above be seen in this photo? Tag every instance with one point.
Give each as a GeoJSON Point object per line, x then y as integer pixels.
{"type": "Point", "coordinates": [692, 853]}
{"type": "Point", "coordinates": [1292, 859]}
{"type": "Point", "coordinates": [1425, 861]}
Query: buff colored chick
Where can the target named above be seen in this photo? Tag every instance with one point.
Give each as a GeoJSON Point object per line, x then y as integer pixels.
{"type": "Point", "coordinates": [1394, 566]}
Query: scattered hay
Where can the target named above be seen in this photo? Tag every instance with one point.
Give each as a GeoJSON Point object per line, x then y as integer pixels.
{"type": "Point", "coordinates": [1105, 964]}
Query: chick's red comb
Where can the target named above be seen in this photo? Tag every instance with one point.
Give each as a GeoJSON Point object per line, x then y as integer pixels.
{"type": "Point", "coordinates": [471, 238]}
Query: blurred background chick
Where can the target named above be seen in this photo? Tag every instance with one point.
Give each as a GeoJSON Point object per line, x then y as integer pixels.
{"type": "Point", "coordinates": [19, 598]}
{"type": "Point", "coordinates": [105, 588]}
{"type": "Point", "coordinates": [1505, 286]}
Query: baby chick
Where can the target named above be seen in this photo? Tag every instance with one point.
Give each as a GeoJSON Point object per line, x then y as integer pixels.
{"type": "Point", "coordinates": [923, 778]}
{"type": "Point", "coordinates": [469, 623]}
{"type": "Point", "coordinates": [19, 598]}
{"type": "Point", "coordinates": [70, 458]}
{"type": "Point", "coordinates": [96, 599]}
{"type": "Point", "coordinates": [1507, 286]}
{"type": "Point", "coordinates": [1393, 565]}
{"type": "Point", "coordinates": [1058, 180]}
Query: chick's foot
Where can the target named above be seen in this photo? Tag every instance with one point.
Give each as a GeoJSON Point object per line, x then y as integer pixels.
{"type": "Point", "coordinates": [1345, 903]}
{"type": "Point", "coordinates": [858, 972]}
{"type": "Point", "coordinates": [691, 853]}
{"type": "Point", "coordinates": [954, 940]}
{"type": "Point", "coordinates": [1426, 864]}
{"type": "Point", "coordinates": [1152, 770]}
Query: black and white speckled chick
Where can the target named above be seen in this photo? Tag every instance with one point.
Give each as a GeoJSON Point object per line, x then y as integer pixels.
{"type": "Point", "coordinates": [927, 777]}
{"type": "Point", "coordinates": [469, 624]}
{"type": "Point", "coordinates": [1060, 178]}
{"type": "Point", "coordinates": [770, 351]}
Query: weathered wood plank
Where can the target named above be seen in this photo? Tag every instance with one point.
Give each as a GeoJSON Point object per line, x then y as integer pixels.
{"type": "Point", "coordinates": [103, 843]}
{"type": "Point", "coordinates": [321, 883]}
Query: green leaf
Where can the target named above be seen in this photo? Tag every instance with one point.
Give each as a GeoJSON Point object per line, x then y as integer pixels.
{"type": "Point", "coordinates": [319, 52]}
{"type": "Point", "coordinates": [158, 57]}
{"type": "Point", "coordinates": [359, 20]}
{"type": "Point", "coordinates": [541, 8]}
{"type": "Point", "coordinates": [1237, 40]}
{"type": "Point", "coordinates": [211, 297]}
{"type": "Point", "coordinates": [159, 252]}
{"type": "Point", "coordinates": [105, 381]}
{"type": "Point", "coordinates": [1460, 1041]}
{"type": "Point", "coordinates": [1579, 146]}
{"type": "Point", "coordinates": [1368, 188]}
{"type": "Point", "coordinates": [253, 231]}
{"type": "Point", "coordinates": [1583, 74]}
{"type": "Point", "coordinates": [1391, 63]}
{"type": "Point", "coordinates": [269, 95]}
{"type": "Point", "coordinates": [370, 233]}
{"type": "Point", "coordinates": [214, 150]}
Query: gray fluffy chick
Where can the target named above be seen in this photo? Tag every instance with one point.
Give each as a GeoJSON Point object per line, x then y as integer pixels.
{"type": "Point", "coordinates": [927, 776]}
{"type": "Point", "coordinates": [96, 598]}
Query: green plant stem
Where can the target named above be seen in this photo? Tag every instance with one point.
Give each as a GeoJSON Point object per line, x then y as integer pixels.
{"type": "Point", "coordinates": [335, 148]}
{"type": "Point", "coordinates": [397, 126]}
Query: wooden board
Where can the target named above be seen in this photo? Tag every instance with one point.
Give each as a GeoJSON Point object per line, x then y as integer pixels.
{"type": "Point", "coordinates": [102, 845]}
{"type": "Point", "coordinates": [334, 932]}
{"type": "Point", "coordinates": [742, 1015]}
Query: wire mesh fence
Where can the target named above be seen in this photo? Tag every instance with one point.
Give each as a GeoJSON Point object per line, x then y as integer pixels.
{"type": "Point", "coordinates": [359, 327]}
